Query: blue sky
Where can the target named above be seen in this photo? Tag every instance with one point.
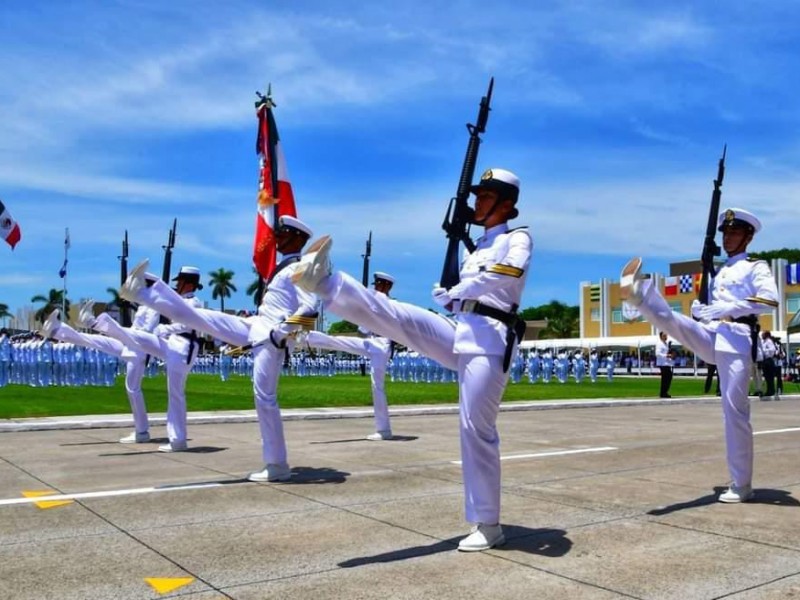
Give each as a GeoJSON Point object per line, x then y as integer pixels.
{"type": "Point", "coordinates": [125, 114]}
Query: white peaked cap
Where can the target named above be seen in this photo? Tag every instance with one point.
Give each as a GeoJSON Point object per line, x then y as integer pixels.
{"type": "Point", "coordinates": [384, 276]}
{"type": "Point", "coordinates": [732, 215]}
{"type": "Point", "coordinates": [295, 223]}
{"type": "Point", "coordinates": [188, 271]}
{"type": "Point", "coordinates": [497, 178]}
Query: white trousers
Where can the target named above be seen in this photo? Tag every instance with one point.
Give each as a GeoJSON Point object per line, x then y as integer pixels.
{"type": "Point", "coordinates": [716, 343]}
{"type": "Point", "coordinates": [238, 331]}
{"type": "Point", "coordinates": [173, 350]}
{"type": "Point", "coordinates": [378, 358]}
{"type": "Point", "coordinates": [480, 389]}
{"type": "Point", "coordinates": [135, 366]}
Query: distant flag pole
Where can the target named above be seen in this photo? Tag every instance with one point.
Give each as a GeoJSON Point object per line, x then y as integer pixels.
{"type": "Point", "coordinates": [275, 196]}
{"type": "Point", "coordinates": [9, 228]}
{"type": "Point", "coordinates": [63, 273]}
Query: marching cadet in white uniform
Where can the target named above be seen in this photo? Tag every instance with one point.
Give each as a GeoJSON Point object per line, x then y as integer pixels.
{"type": "Point", "coordinates": [479, 344]}
{"type": "Point", "coordinates": [145, 319]}
{"type": "Point", "coordinates": [174, 343]}
{"type": "Point", "coordinates": [283, 310]}
{"type": "Point", "coordinates": [724, 334]}
{"type": "Point", "coordinates": [378, 349]}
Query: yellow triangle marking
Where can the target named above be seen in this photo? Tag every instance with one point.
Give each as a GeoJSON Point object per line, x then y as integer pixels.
{"type": "Point", "coordinates": [165, 585]}
{"type": "Point", "coordinates": [46, 503]}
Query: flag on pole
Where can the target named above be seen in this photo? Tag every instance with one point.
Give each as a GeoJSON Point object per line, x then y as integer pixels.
{"type": "Point", "coordinates": [67, 244]}
{"type": "Point", "coordinates": [62, 272]}
{"type": "Point", "coordinates": [9, 228]}
{"type": "Point", "coordinates": [670, 286]}
{"type": "Point", "coordinates": [685, 284]}
{"type": "Point", "coordinates": [793, 274]}
{"type": "Point", "coordinates": [275, 196]}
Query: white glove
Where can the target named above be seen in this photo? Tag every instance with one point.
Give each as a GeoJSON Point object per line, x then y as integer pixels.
{"type": "Point", "coordinates": [441, 297]}
{"type": "Point", "coordinates": [696, 308]}
{"type": "Point", "coordinates": [709, 312]}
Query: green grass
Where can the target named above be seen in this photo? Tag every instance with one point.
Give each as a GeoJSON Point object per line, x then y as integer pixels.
{"type": "Point", "coordinates": [208, 392]}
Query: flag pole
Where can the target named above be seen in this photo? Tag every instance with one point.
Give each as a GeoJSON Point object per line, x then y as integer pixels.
{"type": "Point", "coordinates": [64, 289]}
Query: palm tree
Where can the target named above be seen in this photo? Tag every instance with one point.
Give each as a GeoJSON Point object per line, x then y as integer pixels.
{"type": "Point", "coordinates": [252, 289]}
{"type": "Point", "coordinates": [52, 301]}
{"type": "Point", "coordinates": [4, 314]}
{"type": "Point", "coordinates": [563, 321]}
{"type": "Point", "coordinates": [221, 285]}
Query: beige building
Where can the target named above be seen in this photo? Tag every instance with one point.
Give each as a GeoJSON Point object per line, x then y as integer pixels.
{"type": "Point", "coordinates": [602, 313]}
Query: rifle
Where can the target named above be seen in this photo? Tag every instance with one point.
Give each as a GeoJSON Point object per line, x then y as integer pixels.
{"type": "Point", "coordinates": [366, 256]}
{"type": "Point", "coordinates": [457, 227]}
{"type": "Point", "coordinates": [165, 272]}
{"type": "Point", "coordinates": [124, 305]}
{"type": "Point", "coordinates": [710, 247]}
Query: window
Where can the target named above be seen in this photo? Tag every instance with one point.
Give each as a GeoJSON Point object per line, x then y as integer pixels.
{"type": "Point", "coordinates": [792, 303]}
{"type": "Point", "coordinates": [595, 314]}
{"type": "Point", "coordinates": [616, 315]}
{"type": "Point", "coordinates": [676, 307]}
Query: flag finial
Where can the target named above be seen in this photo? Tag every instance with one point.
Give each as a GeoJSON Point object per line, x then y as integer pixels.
{"type": "Point", "coordinates": [265, 101]}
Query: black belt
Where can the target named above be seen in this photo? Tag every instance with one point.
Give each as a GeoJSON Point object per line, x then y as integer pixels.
{"type": "Point", "coordinates": [515, 326]}
{"type": "Point", "coordinates": [192, 337]}
{"type": "Point", "coordinates": [752, 322]}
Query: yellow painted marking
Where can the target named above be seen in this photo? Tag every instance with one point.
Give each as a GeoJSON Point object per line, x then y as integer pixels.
{"type": "Point", "coordinates": [46, 503]}
{"type": "Point", "coordinates": [165, 585]}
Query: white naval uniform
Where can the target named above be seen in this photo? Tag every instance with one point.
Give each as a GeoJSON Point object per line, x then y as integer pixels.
{"type": "Point", "coordinates": [493, 274]}
{"type": "Point", "coordinates": [145, 320]}
{"type": "Point", "coordinates": [167, 343]}
{"type": "Point", "coordinates": [742, 288]}
{"type": "Point", "coordinates": [378, 349]}
{"type": "Point", "coordinates": [281, 300]}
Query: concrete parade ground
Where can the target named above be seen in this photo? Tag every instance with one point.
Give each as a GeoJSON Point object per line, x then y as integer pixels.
{"type": "Point", "coordinates": [612, 500]}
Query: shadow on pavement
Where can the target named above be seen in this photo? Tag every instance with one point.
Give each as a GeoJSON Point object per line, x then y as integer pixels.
{"type": "Point", "coordinates": [189, 450]}
{"type": "Point", "coordinates": [304, 475]}
{"type": "Point", "coordinates": [210, 483]}
{"type": "Point", "coordinates": [395, 438]}
{"type": "Point", "coordinates": [762, 496]}
{"type": "Point", "coordinates": [89, 443]}
{"type": "Point", "coordinates": [545, 542]}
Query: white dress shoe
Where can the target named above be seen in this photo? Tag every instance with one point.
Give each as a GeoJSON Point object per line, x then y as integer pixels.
{"type": "Point", "coordinates": [736, 494]}
{"type": "Point", "coordinates": [379, 436]}
{"type": "Point", "coordinates": [135, 438]}
{"type": "Point", "coordinates": [174, 447]}
{"type": "Point", "coordinates": [86, 315]}
{"type": "Point", "coordinates": [135, 282]}
{"type": "Point", "coordinates": [630, 282]}
{"type": "Point", "coordinates": [52, 323]}
{"type": "Point", "coordinates": [314, 266]}
{"type": "Point", "coordinates": [272, 472]}
{"type": "Point", "coordinates": [482, 537]}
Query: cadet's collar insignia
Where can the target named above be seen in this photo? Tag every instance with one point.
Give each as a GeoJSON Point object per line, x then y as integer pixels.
{"type": "Point", "coordinates": [729, 216]}
{"type": "Point", "coordinates": [487, 175]}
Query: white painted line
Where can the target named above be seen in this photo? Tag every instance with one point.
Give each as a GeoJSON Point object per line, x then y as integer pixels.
{"type": "Point", "coordinates": [554, 453]}
{"type": "Point", "coordinates": [108, 493]}
{"type": "Point", "coordinates": [787, 430]}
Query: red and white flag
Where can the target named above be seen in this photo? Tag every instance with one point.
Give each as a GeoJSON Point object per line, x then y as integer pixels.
{"type": "Point", "coordinates": [9, 228]}
{"type": "Point", "coordinates": [275, 197]}
{"type": "Point", "coordinates": [670, 286]}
